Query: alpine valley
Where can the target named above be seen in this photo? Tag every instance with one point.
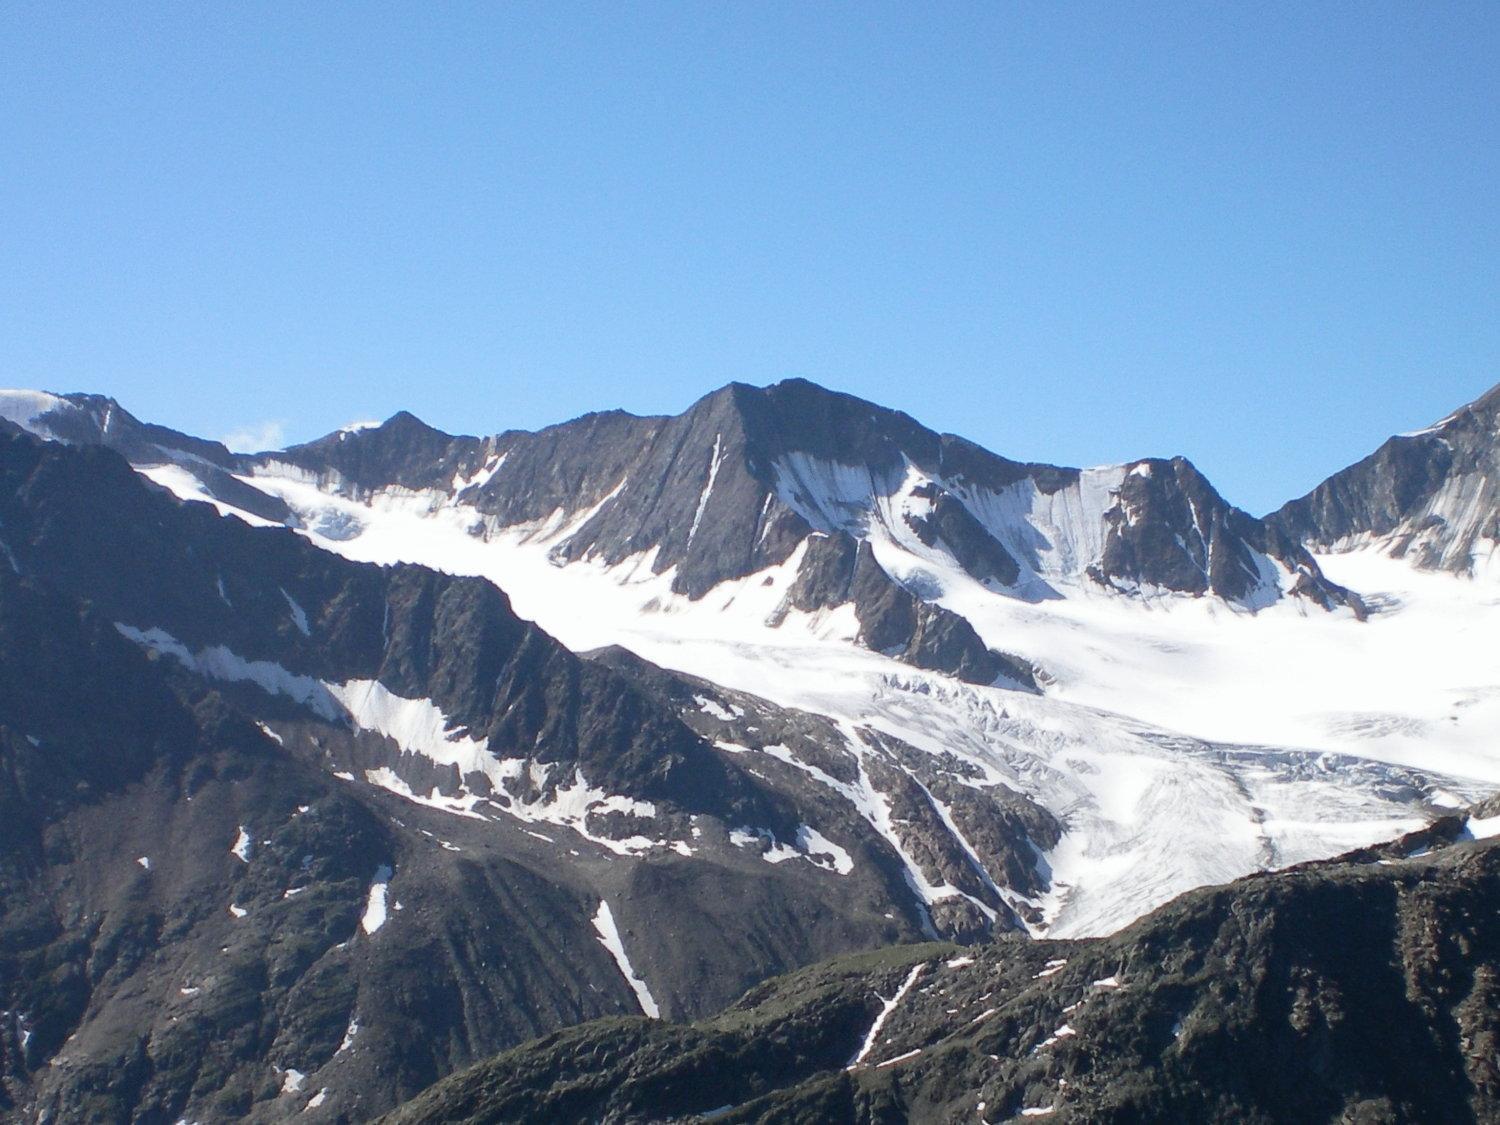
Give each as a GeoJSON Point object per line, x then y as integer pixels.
{"type": "Point", "coordinates": [506, 778]}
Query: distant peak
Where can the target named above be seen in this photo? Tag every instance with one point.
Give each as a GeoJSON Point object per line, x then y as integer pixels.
{"type": "Point", "coordinates": [405, 418]}
{"type": "Point", "coordinates": [403, 423]}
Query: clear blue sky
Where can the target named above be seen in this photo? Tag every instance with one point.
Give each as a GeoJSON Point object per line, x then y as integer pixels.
{"type": "Point", "coordinates": [1264, 236]}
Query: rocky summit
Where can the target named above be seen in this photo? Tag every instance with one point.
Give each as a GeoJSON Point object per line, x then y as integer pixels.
{"type": "Point", "coordinates": [779, 760]}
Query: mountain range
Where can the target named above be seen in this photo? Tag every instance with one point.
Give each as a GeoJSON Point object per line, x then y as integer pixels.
{"type": "Point", "coordinates": [333, 770]}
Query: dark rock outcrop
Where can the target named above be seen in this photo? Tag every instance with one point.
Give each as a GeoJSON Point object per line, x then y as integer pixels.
{"type": "Point", "coordinates": [839, 570]}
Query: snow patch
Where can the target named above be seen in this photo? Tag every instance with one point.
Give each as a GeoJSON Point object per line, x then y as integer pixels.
{"type": "Point", "coordinates": [299, 615]}
{"type": "Point", "coordinates": [1483, 827]}
{"type": "Point", "coordinates": [609, 937]}
{"type": "Point", "coordinates": [1064, 1032]}
{"type": "Point", "coordinates": [713, 475]}
{"type": "Point", "coordinates": [481, 476]}
{"type": "Point", "coordinates": [811, 845]}
{"type": "Point", "coordinates": [819, 847]}
{"type": "Point", "coordinates": [219, 663]}
{"type": "Point", "coordinates": [724, 715]}
{"type": "Point", "coordinates": [374, 915]}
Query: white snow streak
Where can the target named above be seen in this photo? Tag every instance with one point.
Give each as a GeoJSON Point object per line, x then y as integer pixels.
{"type": "Point", "coordinates": [713, 474]}
{"type": "Point", "coordinates": [609, 937]}
{"type": "Point", "coordinates": [886, 1008]}
{"type": "Point", "coordinates": [417, 726]}
{"type": "Point", "coordinates": [299, 615]}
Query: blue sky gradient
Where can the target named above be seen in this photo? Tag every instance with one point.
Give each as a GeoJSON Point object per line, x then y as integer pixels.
{"type": "Point", "coordinates": [1262, 236]}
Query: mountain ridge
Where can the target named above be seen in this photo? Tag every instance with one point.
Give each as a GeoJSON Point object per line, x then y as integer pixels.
{"type": "Point", "coordinates": [687, 698]}
{"type": "Point", "coordinates": [1233, 1003]}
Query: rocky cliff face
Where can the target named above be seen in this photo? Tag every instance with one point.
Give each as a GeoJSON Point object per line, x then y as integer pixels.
{"type": "Point", "coordinates": [1362, 989]}
{"type": "Point", "coordinates": [1432, 497]}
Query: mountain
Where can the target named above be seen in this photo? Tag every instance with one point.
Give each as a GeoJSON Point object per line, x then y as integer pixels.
{"type": "Point", "coordinates": [749, 477]}
{"type": "Point", "coordinates": [271, 814]}
{"type": "Point", "coordinates": [1361, 989]}
{"type": "Point", "coordinates": [1431, 497]}
{"type": "Point", "coordinates": [740, 481]}
{"type": "Point", "coordinates": [342, 767]}
{"type": "Point", "coordinates": [764, 538]}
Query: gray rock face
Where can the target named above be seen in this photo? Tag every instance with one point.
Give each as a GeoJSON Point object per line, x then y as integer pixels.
{"type": "Point", "coordinates": [1361, 989]}
{"type": "Point", "coordinates": [1172, 530]}
{"type": "Point", "coordinates": [1432, 497]}
{"type": "Point", "coordinates": [85, 419]}
{"type": "Point", "coordinates": [84, 520]}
